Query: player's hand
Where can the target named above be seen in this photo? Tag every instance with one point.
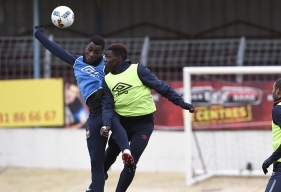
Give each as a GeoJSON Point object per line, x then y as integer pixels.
{"type": "Point", "coordinates": [191, 108]}
{"type": "Point", "coordinates": [104, 131]}
{"type": "Point", "coordinates": [265, 165]}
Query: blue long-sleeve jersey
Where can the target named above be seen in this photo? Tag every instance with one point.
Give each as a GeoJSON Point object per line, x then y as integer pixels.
{"type": "Point", "coordinates": [276, 118]}
{"type": "Point", "coordinates": [148, 79]}
{"type": "Point", "coordinates": [89, 76]}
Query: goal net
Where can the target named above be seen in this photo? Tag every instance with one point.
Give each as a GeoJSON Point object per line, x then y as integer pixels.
{"type": "Point", "coordinates": [224, 148]}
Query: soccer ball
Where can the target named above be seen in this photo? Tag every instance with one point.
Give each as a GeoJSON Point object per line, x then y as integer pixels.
{"type": "Point", "coordinates": [62, 17]}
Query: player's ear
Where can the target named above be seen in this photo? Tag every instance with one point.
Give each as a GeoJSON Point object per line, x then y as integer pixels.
{"type": "Point", "coordinates": [277, 91]}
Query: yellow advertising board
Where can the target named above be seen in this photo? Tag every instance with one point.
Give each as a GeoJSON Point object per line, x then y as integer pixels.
{"type": "Point", "coordinates": [31, 102]}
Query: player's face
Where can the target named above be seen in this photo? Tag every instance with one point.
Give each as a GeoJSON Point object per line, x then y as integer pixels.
{"type": "Point", "coordinates": [111, 61]}
{"type": "Point", "coordinates": [92, 52]}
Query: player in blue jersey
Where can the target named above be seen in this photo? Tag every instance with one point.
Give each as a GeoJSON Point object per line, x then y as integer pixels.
{"type": "Point", "coordinates": [274, 183]}
{"type": "Point", "coordinates": [127, 90]}
{"type": "Point", "coordinates": [89, 71]}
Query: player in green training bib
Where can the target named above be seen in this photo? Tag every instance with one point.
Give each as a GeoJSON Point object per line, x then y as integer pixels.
{"type": "Point", "coordinates": [127, 92]}
{"type": "Point", "coordinates": [274, 183]}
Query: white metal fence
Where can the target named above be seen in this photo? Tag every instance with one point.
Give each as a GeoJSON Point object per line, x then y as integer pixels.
{"type": "Point", "coordinates": [165, 58]}
{"type": "Point", "coordinates": [16, 56]}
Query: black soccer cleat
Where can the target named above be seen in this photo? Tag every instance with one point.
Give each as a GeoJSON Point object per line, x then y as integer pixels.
{"type": "Point", "coordinates": [89, 188]}
{"type": "Point", "coordinates": [132, 168]}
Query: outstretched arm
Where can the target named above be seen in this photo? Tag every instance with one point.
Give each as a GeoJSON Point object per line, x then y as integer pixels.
{"type": "Point", "coordinates": [53, 47]}
{"type": "Point", "coordinates": [152, 81]}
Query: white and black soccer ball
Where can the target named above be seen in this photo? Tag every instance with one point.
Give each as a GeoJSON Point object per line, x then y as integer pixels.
{"type": "Point", "coordinates": [62, 17]}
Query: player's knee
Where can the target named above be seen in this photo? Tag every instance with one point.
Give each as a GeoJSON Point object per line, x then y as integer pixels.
{"type": "Point", "coordinates": [105, 176]}
{"type": "Point", "coordinates": [113, 151]}
{"type": "Point", "coordinates": [113, 145]}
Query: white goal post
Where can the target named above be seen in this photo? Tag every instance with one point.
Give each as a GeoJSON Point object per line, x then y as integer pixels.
{"type": "Point", "coordinates": [231, 70]}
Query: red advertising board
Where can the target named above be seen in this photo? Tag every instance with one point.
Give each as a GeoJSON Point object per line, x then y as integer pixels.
{"type": "Point", "coordinates": [219, 105]}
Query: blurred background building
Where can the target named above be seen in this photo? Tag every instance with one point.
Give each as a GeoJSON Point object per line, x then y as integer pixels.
{"type": "Point", "coordinates": [164, 35]}
{"type": "Point", "coordinates": [158, 19]}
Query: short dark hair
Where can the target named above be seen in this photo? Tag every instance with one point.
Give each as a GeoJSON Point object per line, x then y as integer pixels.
{"type": "Point", "coordinates": [118, 49]}
{"type": "Point", "coordinates": [97, 40]}
{"type": "Point", "coordinates": [278, 84]}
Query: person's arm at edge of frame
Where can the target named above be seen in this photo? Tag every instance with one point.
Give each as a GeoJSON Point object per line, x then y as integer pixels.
{"type": "Point", "coordinates": [152, 81]}
{"type": "Point", "coordinates": [276, 115]}
{"type": "Point", "coordinates": [53, 47]}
